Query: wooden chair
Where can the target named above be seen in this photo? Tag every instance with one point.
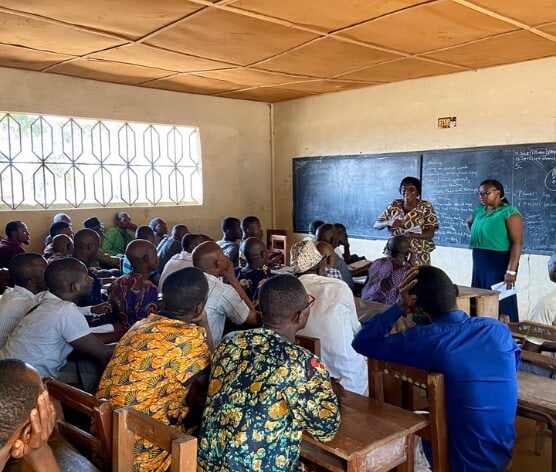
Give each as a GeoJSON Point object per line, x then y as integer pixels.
{"type": "Point", "coordinates": [309, 343]}
{"type": "Point", "coordinates": [547, 333]}
{"type": "Point", "coordinates": [96, 446]}
{"type": "Point", "coordinates": [279, 243]}
{"type": "Point", "coordinates": [270, 232]}
{"type": "Point", "coordinates": [433, 384]}
{"type": "Point", "coordinates": [129, 422]}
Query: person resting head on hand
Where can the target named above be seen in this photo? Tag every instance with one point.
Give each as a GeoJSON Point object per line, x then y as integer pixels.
{"type": "Point", "coordinates": [27, 417]}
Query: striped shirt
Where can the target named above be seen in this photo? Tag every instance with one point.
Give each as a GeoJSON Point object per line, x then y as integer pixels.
{"type": "Point", "coordinates": [14, 305]}
{"type": "Point", "coordinates": [43, 337]}
{"type": "Point", "coordinates": [223, 302]}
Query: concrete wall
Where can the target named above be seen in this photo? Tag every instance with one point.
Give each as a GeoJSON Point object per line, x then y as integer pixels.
{"type": "Point", "coordinates": [503, 105]}
{"type": "Point", "coordinates": [235, 144]}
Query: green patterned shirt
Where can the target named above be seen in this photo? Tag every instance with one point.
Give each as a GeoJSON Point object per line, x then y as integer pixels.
{"type": "Point", "coordinates": [264, 392]}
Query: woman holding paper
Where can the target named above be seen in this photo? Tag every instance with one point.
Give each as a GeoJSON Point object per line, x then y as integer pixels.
{"type": "Point", "coordinates": [496, 240]}
{"type": "Point", "coordinates": [413, 218]}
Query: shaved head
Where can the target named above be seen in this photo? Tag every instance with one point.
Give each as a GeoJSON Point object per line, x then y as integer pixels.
{"type": "Point", "coordinates": [179, 231]}
{"type": "Point", "coordinates": [62, 244]}
{"type": "Point", "coordinates": [253, 248]}
{"type": "Point", "coordinates": [324, 248]}
{"type": "Point", "coordinates": [328, 233]}
{"type": "Point", "coordinates": [206, 255]}
{"type": "Point", "coordinates": [138, 249]}
{"type": "Point", "coordinates": [86, 244]}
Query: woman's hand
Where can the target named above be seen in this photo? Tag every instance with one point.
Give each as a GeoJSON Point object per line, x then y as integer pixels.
{"type": "Point", "coordinates": [510, 280]}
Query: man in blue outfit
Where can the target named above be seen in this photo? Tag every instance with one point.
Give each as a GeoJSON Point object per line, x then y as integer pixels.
{"type": "Point", "coordinates": [477, 356]}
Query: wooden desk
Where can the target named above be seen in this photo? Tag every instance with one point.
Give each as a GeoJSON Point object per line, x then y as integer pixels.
{"type": "Point", "coordinates": [373, 436]}
{"type": "Point", "coordinates": [359, 268]}
{"type": "Point", "coordinates": [367, 309]}
{"type": "Point", "coordinates": [537, 395]}
{"type": "Point", "coordinates": [485, 301]}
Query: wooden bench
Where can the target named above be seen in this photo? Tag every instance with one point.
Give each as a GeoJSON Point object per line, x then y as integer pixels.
{"type": "Point", "coordinates": [129, 422]}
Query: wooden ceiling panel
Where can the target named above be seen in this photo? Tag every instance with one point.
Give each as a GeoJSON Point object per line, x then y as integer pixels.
{"type": "Point", "coordinates": [109, 71]}
{"type": "Point", "coordinates": [149, 56]}
{"type": "Point", "coordinates": [22, 58]}
{"type": "Point", "coordinates": [225, 36]}
{"type": "Point", "coordinates": [529, 12]}
{"type": "Point", "coordinates": [506, 49]}
{"type": "Point", "coordinates": [402, 69]}
{"type": "Point", "coordinates": [50, 37]}
{"type": "Point", "coordinates": [324, 15]}
{"type": "Point", "coordinates": [325, 86]}
{"type": "Point", "coordinates": [250, 77]}
{"type": "Point", "coordinates": [194, 84]}
{"type": "Point", "coordinates": [129, 18]}
{"type": "Point", "coordinates": [267, 94]}
{"type": "Point", "coordinates": [549, 28]}
{"type": "Point", "coordinates": [427, 27]}
{"type": "Point", "coordinates": [325, 58]}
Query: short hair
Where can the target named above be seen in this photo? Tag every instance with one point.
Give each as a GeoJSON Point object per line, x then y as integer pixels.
{"type": "Point", "coordinates": [189, 239]}
{"type": "Point", "coordinates": [55, 228]}
{"type": "Point", "coordinates": [326, 232]}
{"type": "Point", "coordinates": [18, 396]}
{"type": "Point", "coordinates": [497, 185]}
{"type": "Point", "coordinates": [315, 225]}
{"type": "Point", "coordinates": [154, 222]}
{"type": "Point", "coordinates": [177, 228]}
{"type": "Point", "coordinates": [185, 289]}
{"type": "Point", "coordinates": [143, 232]}
{"type": "Point", "coordinates": [21, 267]}
{"type": "Point", "coordinates": [340, 226]}
{"type": "Point", "coordinates": [61, 217]}
{"type": "Point", "coordinates": [12, 227]}
{"type": "Point", "coordinates": [411, 181]}
{"type": "Point", "coordinates": [228, 223]}
{"type": "Point", "coordinates": [397, 245]}
{"type": "Point", "coordinates": [436, 293]}
{"type": "Point", "coordinates": [281, 296]}
{"type": "Point", "coordinates": [249, 220]}
{"type": "Point", "coordinates": [60, 273]}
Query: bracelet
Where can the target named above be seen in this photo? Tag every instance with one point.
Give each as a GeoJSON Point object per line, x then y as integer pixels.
{"type": "Point", "coordinates": [511, 272]}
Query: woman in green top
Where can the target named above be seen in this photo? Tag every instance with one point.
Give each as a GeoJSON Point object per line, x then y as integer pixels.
{"type": "Point", "coordinates": [496, 239]}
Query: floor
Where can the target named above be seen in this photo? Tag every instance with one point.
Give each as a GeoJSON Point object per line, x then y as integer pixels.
{"type": "Point", "coordinates": [524, 458]}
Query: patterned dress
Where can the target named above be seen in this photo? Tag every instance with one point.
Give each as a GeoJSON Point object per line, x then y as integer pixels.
{"type": "Point", "coordinates": [263, 393]}
{"type": "Point", "coordinates": [422, 215]}
{"type": "Point", "coordinates": [150, 370]}
{"type": "Point", "coordinates": [383, 280]}
{"type": "Point", "coordinates": [135, 296]}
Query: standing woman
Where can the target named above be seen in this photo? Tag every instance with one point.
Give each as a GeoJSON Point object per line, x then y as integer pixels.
{"type": "Point", "coordinates": [413, 218]}
{"type": "Point", "coordinates": [496, 239]}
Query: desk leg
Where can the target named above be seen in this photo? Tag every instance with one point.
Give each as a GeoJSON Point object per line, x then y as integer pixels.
{"type": "Point", "coordinates": [464, 304]}
{"type": "Point", "coordinates": [488, 306]}
{"type": "Point", "coordinates": [407, 466]}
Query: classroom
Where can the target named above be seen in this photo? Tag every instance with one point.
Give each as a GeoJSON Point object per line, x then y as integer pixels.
{"type": "Point", "coordinates": [265, 84]}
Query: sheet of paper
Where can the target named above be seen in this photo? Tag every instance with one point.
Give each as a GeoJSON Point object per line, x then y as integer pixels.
{"type": "Point", "coordinates": [414, 230]}
{"type": "Point", "coordinates": [500, 287]}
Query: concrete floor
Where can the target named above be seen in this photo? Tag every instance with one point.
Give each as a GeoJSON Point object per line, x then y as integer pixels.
{"type": "Point", "coordinates": [524, 458]}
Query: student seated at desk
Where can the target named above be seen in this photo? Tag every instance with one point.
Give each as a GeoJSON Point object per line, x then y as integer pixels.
{"type": "Point", "coordinates": [343, 240]}
{"type": "Point", "coordinates": [62, 246]}
{"type": "Point", "coordinates": [143, 232]}
{"type": "Point", "coordinates": [119, 236]}
{"type": "Point", "coordinates": [329, 255]}
{"type": "Point", "coordinates": [17, 235]}
{"type": "Point", "coordinates": [27, 274]}
{"type": "Point", "coordinates": [27, 418]}
{"type": "Point", "coordinates": [159, 227]}
{"type": "Point", "coordinates": [47, 335]}
{"type": "Point", "coordinates": [265, 391]}
{"type": "Point", "coordinates": [183, 259]}
{"type": "Point", "coordinates": [386, 274]}
{"type": "Point", "coordinates": [477, 356]}
{"type": "Point", "coordinates": [171, 245]}
{"type": "Point", "coordinates": [61, 227]}
{"type": "Point", "coordinates": [255, 252]}
{"type": "Point", "coordinates": [158, 359]}
{"type": "Point", "coordinates": [333, 318]}
{"type": "Point", "coordinates": [225, 301]}
{"type": "Point", "coordinates": [313, 231]}
{"type": "Point", "coordinates": [231, 235]}
{"type": "Point", "coordinates": [134, 294]}
{"type": "Point", "coordinates": [329, 234]}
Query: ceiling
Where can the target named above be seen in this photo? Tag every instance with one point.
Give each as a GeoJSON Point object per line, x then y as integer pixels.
{"type": "Point", "coordinates": [271, 50]}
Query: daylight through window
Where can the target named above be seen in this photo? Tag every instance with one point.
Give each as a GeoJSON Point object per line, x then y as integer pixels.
{"type": "Point", "coordinates": [62, 162]}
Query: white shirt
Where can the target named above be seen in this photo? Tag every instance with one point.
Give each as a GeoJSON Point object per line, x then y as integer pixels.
{"type": "Point", "coordinates": [179, 261]}
{"type": "Point", "coordinates": [334, 321]}
{"type": "Point", "coordinates": [339, 252]}
{"type": "Point", "coordinates": [14, 305]}
{"type": "Point", "coordinates": [544, 312]}
{"type": "Point", "coordinates": [43, 336]}
{"type": "Point", "coordinates": [223, 302]}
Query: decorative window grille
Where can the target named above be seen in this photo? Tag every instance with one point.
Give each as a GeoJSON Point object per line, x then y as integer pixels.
{"type": "Point", "coordinates": [61, 162]}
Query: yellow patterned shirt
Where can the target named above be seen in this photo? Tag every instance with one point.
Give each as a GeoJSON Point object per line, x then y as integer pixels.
{"type": "Point", "coordinates": [150, 371]}
{"type": "Point", "coordinates": [263, 393]}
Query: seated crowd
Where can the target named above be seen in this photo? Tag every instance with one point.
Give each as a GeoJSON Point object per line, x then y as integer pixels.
{"type": "Point", "coordinates": [200, 335]}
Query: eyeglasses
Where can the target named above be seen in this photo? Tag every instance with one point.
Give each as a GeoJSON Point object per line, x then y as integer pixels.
{"type": "Point", "coordinates": [309, 305]}
{"type": "Point", "coordinates": [486, 194]}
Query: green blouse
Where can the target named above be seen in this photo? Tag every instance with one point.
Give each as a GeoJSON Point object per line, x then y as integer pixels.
{"type": "Point", "coordinates": [489, 231]}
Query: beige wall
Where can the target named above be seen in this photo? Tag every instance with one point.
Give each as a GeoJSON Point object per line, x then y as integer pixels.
{"type": "Point", "coordinates": [503, 105]}
{"type": "Point", "coordinates": [235, 143]}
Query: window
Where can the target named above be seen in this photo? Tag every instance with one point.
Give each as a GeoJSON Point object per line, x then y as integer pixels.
{"type": "Point", "coordinates": [62, 162]}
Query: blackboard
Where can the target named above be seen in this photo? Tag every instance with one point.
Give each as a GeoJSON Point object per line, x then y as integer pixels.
{"type": "Point", "coordinates": [352, 190]}
{"type": "Point", "coordinates": [450, 179]}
